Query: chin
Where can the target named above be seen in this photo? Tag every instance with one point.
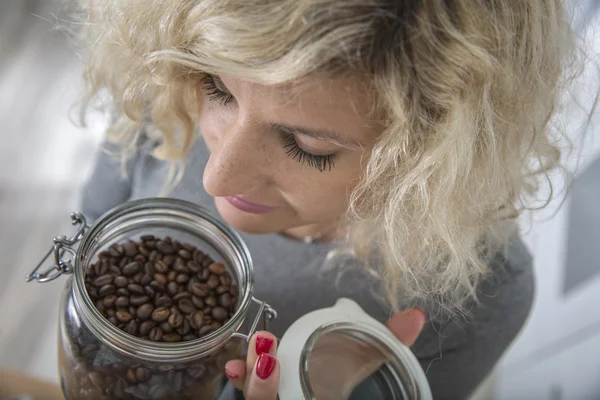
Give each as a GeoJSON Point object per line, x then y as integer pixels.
{"type": "Point", "coordinates": [246, 222]}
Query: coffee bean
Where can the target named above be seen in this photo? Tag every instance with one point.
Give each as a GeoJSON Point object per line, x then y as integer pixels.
{"type": "Point", "coordinates": [149, 269]}
{"type": "Point", "coordinates": [131, 378]}
{"type": "Point", "coordinates": [185, 254]}
{"type": "Point", "coordinates": [113, 269]}
{"type": "Point", "coordinates": [234, 290]}
{"type": "Point", "coordinates": [222, 289]}
{"type": "Point", "coordinates": [163, 301]}
{"type": "Point", "coordinates": [140, 258]}
{"type": "Point", "coordinates": [157, 286]}
{"type": "Point", "coordinates": [132, 327]}
{"type": "Point", "coordinates": [147, 237]}
{"type": "Point", "coordinates": [146, 327]}
{"type": "Point", "coordinates": [197, 319]}
{"type": "Point", "coordinates": [111, 312]}
{"type": "Point", "coordinates": [182, 295]}
{"type": "Point", "coordinates": [110, 301]}
{"type": "Point", "coordinates": [160, 278]}
{"type": "Point", "coordinates": [194, 267]}
{"type": "Point", "coordinates": [92, 291]}
{"type": "Point", "coordinates": [172, 288]}
{"type": "Point", "coordinates": [113, 320]}
{"type": "Point", "coordinates": [146, 279]}
{"type": "Point", "coordinates": [206, 262]}
{"type": "Point", "coordinates": [164, 247]}
{"type": "Point", "coordinates": [204, 330]}
{"type": "Point", "coordinates": [155, 334]}
{"type": "Point", "coordinates": [186, 306]}
{"type": "Point", "coordinates": [142, 374]}
{"type": "Point", "coordinates": [225, 279]}
{"type": "Point", "coordinates": [182, 278]}
{"type": "Point", "coordinates": [160, 314]}
{"type": "Point", "coordinates": [198, 302]}
{"type": "Point", "coordinates": [130, 248]}
{"type": "Point", "coordinates": [134, 288]}
{"type": "Point", "coordinates": [217, 268]}
{"type": "Point", "coordinates": [198, 257]}
{"type": "Point", "coordinates": [175, 320]}
{"type": "Point", "coordinates": [124, 261]}
{"type": "Point", "coordinates": [107, 290]}
{"type": "Point", "coordinates": [204, 275]}
{"type": "Point", "coordinates": [123, 316]}
{"type": "Point", "coordinates": [96, 378]}
{"type": "Point", "coordinates": [171, 276]}
{"type": "Point", "coordinates": [145, 252]}
{"type": "Point", "coordinates": [169, 260]}
{"type": "Point", "coordinates": [211, 301]}
{"type": "Point", "coordinates": [213, 281]}
{"type": "Point", "coordinates": [184, 328]}
{"type": "Point", "coordinates": [188, 337]}
{"type": "Point", "coordinates": [121, 281]}
{"type": "Point", "coordinates": [103, 280]}
{"type": "Point", "coordinates": [113, 250]}
{"type": "Point", "coordinates": [149, 291]}
{"type": "Point", "coordinates": [139, 300]}
{"type": "Point", "coordinates": [199, 290]}
{"type": "Point", "coordinates": [216, 325]}
{"type": "Point", "coordinates": [132, 310]}
{"type": "Point", "coordinates": [171, 337]}
{"type": "Point", "coordinates": [219, 313]}
{"type": "Point", "coordinates": [137, 278]}
{"type": "Point", "coordinates": [225, 300]}
{"type": "Point", "coordinates": [145, 311]}
{"type": "Point", "coordinates": [161, 267]}
{"type": "Point", "coordinates": [180, 266]}
{"type": "Point", "coordinates": [177, 245]}
{"type": "Point", "coordinates": [122, 292]}
{"type": "Point", "coordinates": [166, 328]}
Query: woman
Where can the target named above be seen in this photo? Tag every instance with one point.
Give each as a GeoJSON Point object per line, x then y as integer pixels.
{"type": "Point", "coordinates": [379, 150]}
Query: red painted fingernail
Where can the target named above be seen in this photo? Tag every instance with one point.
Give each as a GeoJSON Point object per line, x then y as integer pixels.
{"type": "Point", "coordinates": [263, 344]}
{"type": "Point", "coordinates": [230, 374]}
{"type": "Point", "coordinates": [265, 365]}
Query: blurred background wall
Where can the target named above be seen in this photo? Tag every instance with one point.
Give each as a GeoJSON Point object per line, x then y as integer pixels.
{"type": "Point", "coordinates": [45, 158]}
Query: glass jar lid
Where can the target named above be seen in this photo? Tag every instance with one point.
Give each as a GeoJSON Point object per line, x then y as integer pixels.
{"type": "Point", "coordinates": [341, 353]}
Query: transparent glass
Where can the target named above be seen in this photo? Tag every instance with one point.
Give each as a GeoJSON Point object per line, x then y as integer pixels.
{"type": "Point", "coordinates": [99, 361]}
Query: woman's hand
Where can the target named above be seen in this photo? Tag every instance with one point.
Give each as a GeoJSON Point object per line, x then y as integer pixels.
{"type": "Point", "coordinates": [262, 382]}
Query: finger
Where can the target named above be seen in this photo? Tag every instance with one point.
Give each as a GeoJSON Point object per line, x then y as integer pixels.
{"type": "Point", "coordinates": [261, 342]}
{"type": "Point", "coordinates": [407, 325]}
{"type": "Point", "coordinates": [263, 382]}
{"type": "Point", "coordinates": [236, 372]}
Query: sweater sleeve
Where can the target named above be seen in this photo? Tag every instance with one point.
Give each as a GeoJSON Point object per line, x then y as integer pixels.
{"type": "Point", "coordinates": [458, 356]}
{"type": "Point", "coordinates": [109, 184]}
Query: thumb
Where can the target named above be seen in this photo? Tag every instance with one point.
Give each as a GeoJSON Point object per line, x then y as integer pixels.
{"type": "Point", "coordinates": [407, 325]}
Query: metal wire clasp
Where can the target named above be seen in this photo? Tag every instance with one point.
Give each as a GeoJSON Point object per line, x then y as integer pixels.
{"type": "Point", "coordinates": [266, 312]}
{"type": "Point", "coordinates": [61, 245]}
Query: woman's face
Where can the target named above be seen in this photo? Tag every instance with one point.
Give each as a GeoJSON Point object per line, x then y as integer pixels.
{"type": "Point", "coordinates": [284, 158]}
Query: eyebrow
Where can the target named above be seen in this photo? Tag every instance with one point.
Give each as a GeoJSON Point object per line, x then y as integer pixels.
{"type": "Point", "coordinates": [320, 134]}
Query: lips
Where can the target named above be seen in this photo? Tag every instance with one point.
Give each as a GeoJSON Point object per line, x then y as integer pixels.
{"type": "Point", "coordinates": [248, 206]}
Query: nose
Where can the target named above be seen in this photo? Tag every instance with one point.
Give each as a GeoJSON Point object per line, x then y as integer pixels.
{"type": "Point", "coordinates": [238, 163]}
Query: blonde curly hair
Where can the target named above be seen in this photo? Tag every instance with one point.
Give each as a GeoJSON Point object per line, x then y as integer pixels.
{"type": "Point", "coordinates": [467, 87]}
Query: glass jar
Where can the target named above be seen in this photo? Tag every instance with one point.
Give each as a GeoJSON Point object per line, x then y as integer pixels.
{"type": "Point", "coordinates": [336, 353]}
{"type": "Point", "coordinates": [97, 360]}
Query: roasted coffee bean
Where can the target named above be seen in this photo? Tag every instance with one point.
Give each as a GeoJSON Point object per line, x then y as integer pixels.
{"type": "Point", "coordinates": [123, 316]}
{"type": "Point", "coordinates": [96, 378]}
{"type": "Point", "coordinates": [181, 295]}
{"type": "Point", "coordinates": [177, 245]}
{"type": "Point", "coordinates": [110, 301]}
{"type": "Point", "coordinates": [182, 278]}
{"type": "Point", "coordinates": [145, 252]}
{"type": "Point", "coordinates": [146, 327]}
{"type": "Point", "coordinates": [234, 290]}
{"type": "Point", "coordinates": [225, 279]}
{"type": "Point", "coordinates": [142, 374]}
{"type": "Point", "coordinates": [145, 311]}
{"type": "Point", "coordinates": [164, 247]}
{"type": "Point", "coordinates": [217, 268]}
{"type": "Point", "coordinates": [171, 276]}
{"type": "Point", "coordinates": [180, 266]}
{"type": "Point", "coordinates": [113, 250]}
{"type": "Point", "coordinates": [147, 237]}
{"type": "Point", "coordinates": [107, 290]}
{"type": "Point", "coordinates": [199, 257]}
{"type": "Point", "coordinates": [134, 288]}
{"type": "Point", "coordinates": [184, 329]}
{"type": "Point", "coordinates": [121, 281]}
{"type": "Point", "coordinates": [132, 327]}
{"type": "Point", "coordinates": [169, 260]}
{"type": "Point", "coordinates": [155, 334]}
{"type": "Point", "coordinates": [103, 280]}
{"type": "Point", "coordinates": [137, 278]}
{"type": "Point", "coordinates": [132, 310]}
{"type": "Point", "coordinates": [90, 351]}
{"type": "Point", "coordinates": [132, 268]}
{"type": "Point", "coordinates": [219, 313]}
{"type": "Point", "coordinates": [146, 279]}
{"type": "Point", "coordinates": [204, 275]}
{"type": "Point", "coordinates": [149, 269]}
{"type": "Point", "coordinates": [113, 269]}
{"type": "Point", "coordinates": [213, 281]}
{"type": "Point", "coordinates": [211, 301]}
{"type": "Point", "coordinates": [188, 337]}
{"type": "Point", "coordinates": [111, 312]}
{"type": "Point", "coordinates": [163, 301]}
{"type": "Point", "coordinates": [113, 320]}
{"type": "Point", "coordinates": [185, 254]}
{"type": "Point", "coordinates": [139, 300]}
{"type": "Point", "coordinates": [172, 337]}
{"type": "Point", "coordinates": [122, 292]}
{"type": "Point", "coordinates": [157, 286]}
{"type": "Point", "coordinates": [160, 314]}
{"type": "Point", "coordinates": [175, 320]}
{"type": "Point", "coordinates": [140, 258]}
{"type": "Point", "coordinates": [166, 328]}
{"type": "Point", "coordinates": [154, 255]}
{"type": "Point", "coordinates": [160, 278]}
{"type": "Point", "coordinates": [194, 267]}
{"type": "Point", "coordinates": [130, 248]}
{"type": "Point", "coordinates": [198, 302]}
{"type": "Point", "coordinates": [199, 290]}
{"type": "Point", "coordinates": [225, 300]}
{"type": "Point", "coordinates": [124, 261]}
{"type": "Point", "coordinates": [92, 291]}
{"type": "Point", "coordinates": [197, 319]}
{"type": "Point", "coordinates": [131, 378]}
{"type": "Point", "coordinates": [206, 262]}
{"type": "Point", "coordinates": [222, 289]}
{"type": "Point", "coordinates": [216, 325]}
{"type": "Point", "coordinates": [172, 288]}
{"type": "Point", "coordinates": [161, 267]}
{"type": "Point", "coordinates": [186, 306]}
{"type": "Point", "coordinates": [204, 330]}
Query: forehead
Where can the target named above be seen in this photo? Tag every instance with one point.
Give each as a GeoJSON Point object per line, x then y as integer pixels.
{"type": "Point", "coordinates": [345, 104]}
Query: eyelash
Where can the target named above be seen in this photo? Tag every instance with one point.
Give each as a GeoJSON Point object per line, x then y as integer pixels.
{"type": "Point", "coordinates": [322, 163]}
{"type": "Point", "coordinates": [214, 93]}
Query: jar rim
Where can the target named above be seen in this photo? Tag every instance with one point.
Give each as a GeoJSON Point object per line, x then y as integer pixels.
{"type": "Point", "coordinates": [130, 345]}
